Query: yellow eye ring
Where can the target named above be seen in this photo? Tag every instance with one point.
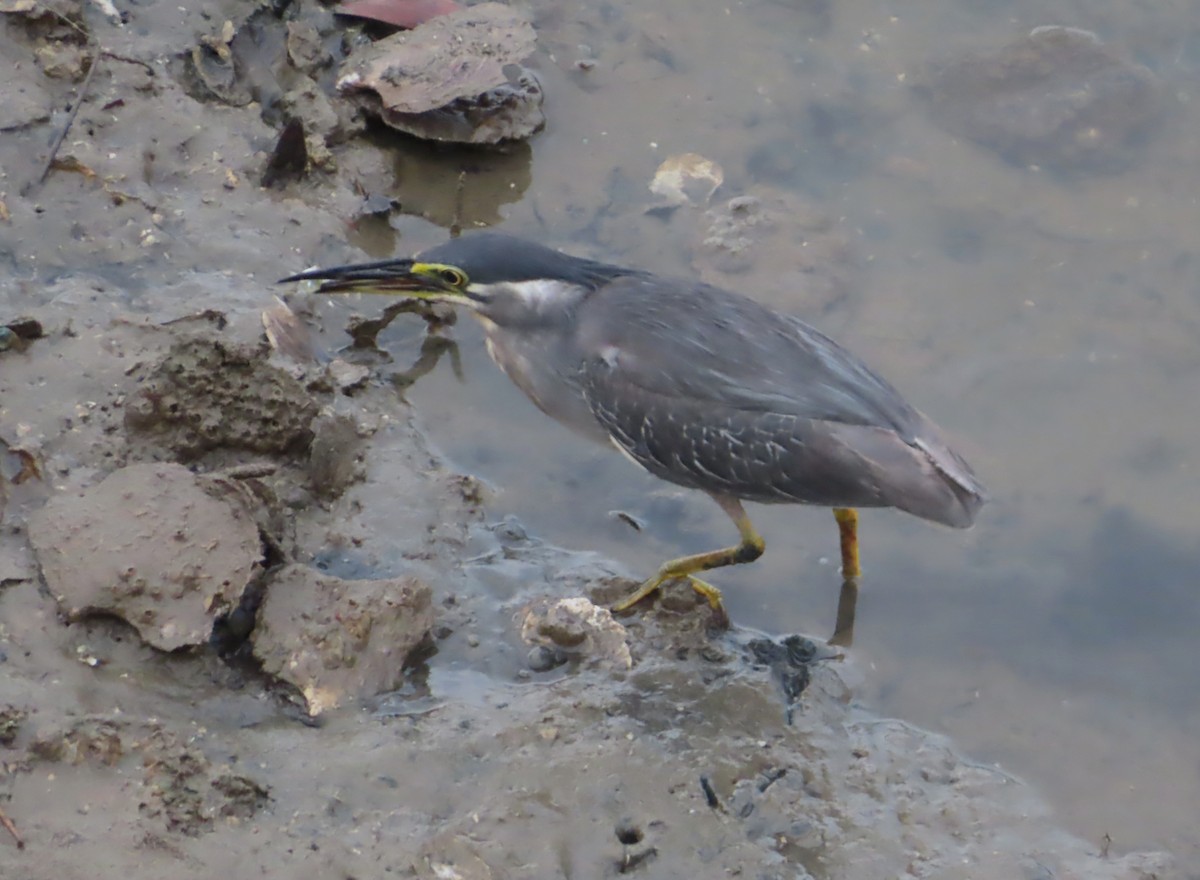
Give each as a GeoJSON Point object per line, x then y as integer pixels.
{"type": "Point", "coordinates": [453, 277]}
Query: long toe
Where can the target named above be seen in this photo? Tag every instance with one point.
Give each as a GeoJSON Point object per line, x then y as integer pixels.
{"type": "Point", "coordinates": [714, 599]}
{"type": "Point", "coordinates": [653, 585]}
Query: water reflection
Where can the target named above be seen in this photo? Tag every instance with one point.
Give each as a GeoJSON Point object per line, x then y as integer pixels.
{"type": "Point", "coordinates": [847, 610]}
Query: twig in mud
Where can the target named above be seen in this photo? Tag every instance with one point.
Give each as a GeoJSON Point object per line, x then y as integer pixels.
{"type": "Point", "coordinates": [710, 794]}
{"type": "Point", "coordinates": [115, 57]}
{"type": "Point", "coordinates": [12, 829]}
{"type": "Point", "coordinates": [79, 99]}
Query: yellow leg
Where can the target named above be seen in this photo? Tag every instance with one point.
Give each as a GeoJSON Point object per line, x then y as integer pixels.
{"type": "Point", "coordinates": [843, 629]}
{"type": "Point", "coordinates": [847, 520]}
{"type": "Point", "coordinates": [750, 548]}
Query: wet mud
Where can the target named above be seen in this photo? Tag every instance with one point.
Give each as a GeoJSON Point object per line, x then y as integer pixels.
{"type": "Point", "coordinates": [368, 666]}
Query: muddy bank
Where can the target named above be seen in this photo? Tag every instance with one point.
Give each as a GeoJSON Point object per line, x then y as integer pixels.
{"type": "Point", "coordinates": [683, 764]}
{"type": "Point", "coordinates": [122, 758]}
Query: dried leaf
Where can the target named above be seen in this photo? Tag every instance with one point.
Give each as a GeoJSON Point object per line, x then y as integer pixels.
{"type": "Point", "coordinates": [688, 177]}
{"type": "Point", "coordinates": [289, 159]}
{"type": "Point", "coordinates": [400, 13]}
{"type": "Point", "coordinates": [70, 163]}
{"type": "Point", "coordinates": [288, 335]}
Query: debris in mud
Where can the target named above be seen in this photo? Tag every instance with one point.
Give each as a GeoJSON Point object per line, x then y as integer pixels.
{"type": "Point", "coordinates": [335, 456]}
{"type": "Point", "coordinates": [213, 72]}
{"type": "Point", "coordinates": [305, 50]}
{"type": "Point", "coordinates": [16, 335]}
{"type": "Point", "coordinates": [790, 661]}
{"type": "Point", "coordinates": [336, 640]}
{"type": "Point", "coordinates": [455, 78]}
{"type": "Point", "coordinates": [778, 234]}
{"type": "Point", "coordinates": [325, 121]}
{"type": "Point", "coordinates": [65, 60]}
{"type": "Point", "coordinates": [686, 179]}
{"type": "Point", "coordinates": [11, 828]}
{"type": "Point", "coordinates": [154, 544]}
{"type": "Point", "coordinates": [288, 334]}
{"type": "Point", "coordinates": [17, 464]}
{"type": "Point", "coordinates": [1058, 97]}
{"type": "Point", "coordinates": [348, 377]}
{"type": "Point", "coordinates": [57, 19]}
{"type": "Point", "coordinates": [243, 797]}
{"type": "Point", "coordinates": [209, 393]}
{"type": "Point", "coordinates": [577, 628]}
{"type": "Point", "coordinates": [289, 160]}
{"type": "Point", "coordinates": [629, 835]}
{"type": "Point", "coordinates": [87, 740]}
{"type": "Point", "coordinates": [10, 723]}
{"type": "Point", "coordinates": [189, 793]}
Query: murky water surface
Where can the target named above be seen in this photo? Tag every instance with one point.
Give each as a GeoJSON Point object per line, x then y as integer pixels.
{"type": "Point", "coordinates": [1048, 321]}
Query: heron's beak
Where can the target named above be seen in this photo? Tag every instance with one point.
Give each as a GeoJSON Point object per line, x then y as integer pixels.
{"type": "Point", "coordinates": [384, 277]}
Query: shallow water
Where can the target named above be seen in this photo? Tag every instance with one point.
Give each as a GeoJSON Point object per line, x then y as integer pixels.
{"type": "Point", "coordinates": [1050, 325]}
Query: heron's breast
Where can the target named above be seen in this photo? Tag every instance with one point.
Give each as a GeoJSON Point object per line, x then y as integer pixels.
{"type": "Point", "coordinates": [510, 358]}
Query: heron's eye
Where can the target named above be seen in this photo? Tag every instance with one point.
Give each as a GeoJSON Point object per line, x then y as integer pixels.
{"type": "Point", "coordinates": [453, 277]}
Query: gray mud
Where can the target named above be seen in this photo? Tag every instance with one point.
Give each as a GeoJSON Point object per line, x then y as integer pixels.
{"type": "Point", "coordinates": [148, 259]}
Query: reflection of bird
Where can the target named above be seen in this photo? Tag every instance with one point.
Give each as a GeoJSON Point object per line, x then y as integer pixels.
{"type": "Point", "coordinates": [700, 386]}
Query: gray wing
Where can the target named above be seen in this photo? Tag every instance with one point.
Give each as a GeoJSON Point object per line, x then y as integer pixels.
{"type": "Point", "coordinates": [698, 342]}
{"type": "Point", "coordinates": [711, 390]}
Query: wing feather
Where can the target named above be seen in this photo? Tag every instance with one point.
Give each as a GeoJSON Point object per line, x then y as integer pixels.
{"type": "Point", "coordinates": [713, 391]}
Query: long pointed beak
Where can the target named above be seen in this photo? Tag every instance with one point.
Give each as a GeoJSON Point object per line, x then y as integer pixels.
{"type": "Point", "coordinates": [384, 276]}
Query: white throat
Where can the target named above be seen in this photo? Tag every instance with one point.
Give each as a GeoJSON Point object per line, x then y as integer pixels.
{"type": "Point", "coordinates": [535, 295]}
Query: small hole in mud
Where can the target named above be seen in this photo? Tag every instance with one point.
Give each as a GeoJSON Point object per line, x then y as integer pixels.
{"type": "Point", "coordinates": [628, 833]}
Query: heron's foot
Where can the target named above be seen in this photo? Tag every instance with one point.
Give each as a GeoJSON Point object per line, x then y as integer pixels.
{"type": "Point", "coordinates": [714, 599]}
{"type": "Point", "coordinates": [647, 588]}
{"type": "Point", "coordinates": [710, 594]}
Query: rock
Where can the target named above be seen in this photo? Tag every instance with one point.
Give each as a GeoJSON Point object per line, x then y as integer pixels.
{"type": "Point", "coordinates": [337, 640]}
{"type": "Point", "coordinates": [304, 47]}
{"type": "Point", "coordinates": [348, 377]}
{"type": "Point", "coordinates": [455, 78]}
{"type": "Point", "coordinates": [307, 102]}
{"type": "Point", "coordinates": [163, 549]}
{"type": "Point", "coordinates": [577, 627]}
{"type": "Point", "coordinates": [207, 394]}
{"type": "Point", "coordinates": [63, 60]}
{"type": "Point", "coordinates": [1057, 97]}
{"type": "Point", "coordinates": [214, 72]}
{"type": "Point", "coordinates": [334, 458]}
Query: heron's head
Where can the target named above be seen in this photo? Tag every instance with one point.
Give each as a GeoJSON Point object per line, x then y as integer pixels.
{"type": "Point", "coordinates": [506, 279]}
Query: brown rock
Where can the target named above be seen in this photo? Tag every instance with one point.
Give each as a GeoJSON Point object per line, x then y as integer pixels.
{"type": "Point", "coordinates": [1058, 97]}
{"type": "Point", "coordinates": [208, 393]}
{"type": "Point", "coordinates": [337, 640]}
{"type": "Point", "coordinates": [153, 544]}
